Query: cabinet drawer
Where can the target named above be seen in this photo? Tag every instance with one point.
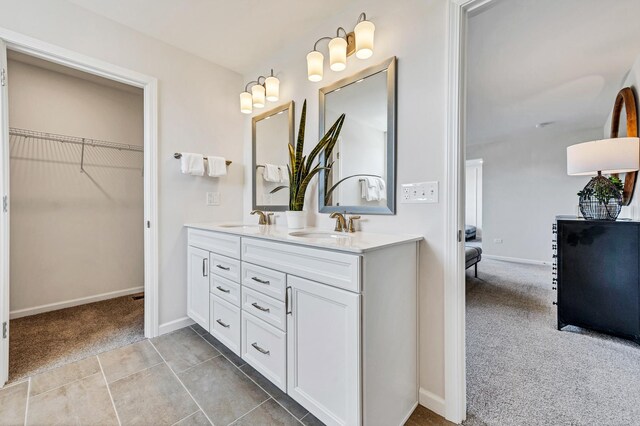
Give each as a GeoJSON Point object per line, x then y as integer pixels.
{"type": "Point", "coordinates": [267, 281]}
{"type": "Point", "coordinates": [265, 308]}
{"type": "Point", "coordinates": [216, 242]}
{"type": "Point", "coordinates": [336, 269]}
{"type": "Point", "coordinates": [225, 289]}
{"type": "Point", "coordinates": [265, 348]}
{"type": "Point", "coordinates": [225, 267]}
{"type": "Point", "coordinates": [225, 323]}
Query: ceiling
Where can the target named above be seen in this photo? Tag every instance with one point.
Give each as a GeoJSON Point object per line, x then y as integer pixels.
{"type": "Point", "coordinates": [237, 34]}
{"type": "Point", "coordinates": [539, 61]}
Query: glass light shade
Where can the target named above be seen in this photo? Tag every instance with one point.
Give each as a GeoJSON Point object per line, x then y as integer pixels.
{"type": "Point", "coordinates": [338, 54]}
{"type": "Point", "coordinates": [246, 103]}
{"type": "Point", "coordinates": [315, 65]}
{"type": "Point", "coordinates": [258, 95]}
{"type": "Point", "coordinates": [272, 85]}
{"type": "Point", "coordinates": [619, 155]}
{"type": "Point", "coordinates": [364, 39]}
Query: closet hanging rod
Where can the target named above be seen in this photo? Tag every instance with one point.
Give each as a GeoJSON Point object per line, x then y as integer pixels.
{"type": "Point", "coordinates": [178, 155]}
{"type": "Point", "coordinates": [13, 131]}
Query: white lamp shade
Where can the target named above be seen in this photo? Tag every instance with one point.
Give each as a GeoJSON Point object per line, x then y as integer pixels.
{"type": "Point", "coordinates": [338, 54]}
{"type": "Point", "coordinates": [246, 103]}
{"type": "Point", "coordinates": [364, 39]}
{"type": "Point", "coordinates": [272, 87]}
{"type": "Point", "coordinates": [315, 65]}
{"type": "Point", "coordinates": [619, 155]}
{"type": "Point", "coordinates": [258, 96]}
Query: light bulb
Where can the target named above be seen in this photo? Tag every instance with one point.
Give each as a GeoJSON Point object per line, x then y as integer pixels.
{"type": "Point", "coordinates": [272, 85]}
{"type": "Point", "coordinates": [338, 54]}
{"type": "Point", "coordinates": [364, 39]}
{"type": "Point", "coordinates": [315, 65]}
{"type": "Point", "coordinates": [257, 95]}
{"type": "Point", "coordinates": [245, 103]}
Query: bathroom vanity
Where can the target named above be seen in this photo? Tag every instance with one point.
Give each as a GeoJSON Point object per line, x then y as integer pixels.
{"type": "Point", "coordinates": [329, 318]}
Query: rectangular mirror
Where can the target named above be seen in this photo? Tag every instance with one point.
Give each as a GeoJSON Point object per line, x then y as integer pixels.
{"type": "Point", "coordinates": [271, 132]}
{"type": "Point", "coordinates": [362, 179]}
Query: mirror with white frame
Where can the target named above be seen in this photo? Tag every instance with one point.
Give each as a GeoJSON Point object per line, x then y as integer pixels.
{"type": "Point", "coordinates": [362, 178]}
{"type": "Point", "coordinates": [271, 132]}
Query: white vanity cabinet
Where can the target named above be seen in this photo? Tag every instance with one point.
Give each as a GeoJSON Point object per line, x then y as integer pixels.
{"type": "Point", "coordinates": [198, 286]}
{"type": "Point", "coordinates": [332, 324]}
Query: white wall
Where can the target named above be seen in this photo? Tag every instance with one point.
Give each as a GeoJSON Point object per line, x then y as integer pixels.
{"type": "Point", "coordinates": [197, 111]}
{"type": "Point", "coordinates": [525, 185]}
{"type": "Point", "coordinates": [415, 31]}
{"type": "Point", "coordinates": [73, 235]}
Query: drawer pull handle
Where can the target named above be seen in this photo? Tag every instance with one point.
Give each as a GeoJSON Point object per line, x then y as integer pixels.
{"type": "Point", "coordinates": [224, 290]}
{"type": "Point", "coordinates": [255, 305]}
{"type": "Point", "coordinates": [224, 268]}
{"type": "Point", "coordinates": [223, 324]}
{"type": "Point", "coordinates": [259, 349]}
{"type": "Point", "coordinates": [204, 267]}
{"type": "Point", "coordinates": [259, 280]}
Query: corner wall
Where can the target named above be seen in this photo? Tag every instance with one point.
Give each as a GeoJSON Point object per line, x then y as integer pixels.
{"type": "Point", "coordinates": [416, 32]}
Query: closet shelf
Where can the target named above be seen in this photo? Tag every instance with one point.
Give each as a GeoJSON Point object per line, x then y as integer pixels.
{"type": "Point", "coordinates": [13, 131]}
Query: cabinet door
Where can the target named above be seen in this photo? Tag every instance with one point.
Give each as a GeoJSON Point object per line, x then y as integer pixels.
{"type": "Point", "coordinates": [323, 351]}
{"type": "Point", "coordinates": [198, 286]}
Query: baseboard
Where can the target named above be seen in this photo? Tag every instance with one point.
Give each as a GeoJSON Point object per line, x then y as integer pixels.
{"type": "Point", "coordinates": [174, 325]}
{"type": "Point", "coordinates": [432, 401]}
{"type": "Point", "coordinates": [516, 259]}
{"type": "Point", "coordinates": [409, 414]}
{"type": "Point", "coordinates": [73, 302]}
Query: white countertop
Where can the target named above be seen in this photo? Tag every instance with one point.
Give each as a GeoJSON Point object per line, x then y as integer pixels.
{"type": "Point", "coordinates": [356, 242]}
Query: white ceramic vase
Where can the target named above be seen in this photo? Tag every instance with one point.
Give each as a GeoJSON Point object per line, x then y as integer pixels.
{"type": "Point", "coordinates": [296, 219]}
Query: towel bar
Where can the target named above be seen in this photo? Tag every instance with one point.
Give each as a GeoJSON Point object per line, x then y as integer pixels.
{"type": "Point", "coordinates": [178, 155]}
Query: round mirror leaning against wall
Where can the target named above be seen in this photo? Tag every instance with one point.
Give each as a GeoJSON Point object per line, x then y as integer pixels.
{"type": "Point", "coordinates": [626, 99]}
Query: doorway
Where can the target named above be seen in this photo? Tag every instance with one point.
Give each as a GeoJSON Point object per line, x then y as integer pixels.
{"type": "Point", "coordinates": [17, 44]}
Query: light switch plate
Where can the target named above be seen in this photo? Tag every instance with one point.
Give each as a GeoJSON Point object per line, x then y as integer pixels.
{"type": "Point", "coordinates": [420, 192]}
{"type": "Point", "coordinates": [213, 198]}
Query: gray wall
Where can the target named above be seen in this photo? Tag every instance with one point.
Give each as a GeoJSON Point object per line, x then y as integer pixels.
{"type": "Point", "coordinates": [525, 185]}
{"type": "Point", "coordinates": [73, 235]}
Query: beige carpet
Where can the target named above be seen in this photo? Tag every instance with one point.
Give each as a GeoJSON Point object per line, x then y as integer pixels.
{"type": "Point", "coordinates": [40, 342]}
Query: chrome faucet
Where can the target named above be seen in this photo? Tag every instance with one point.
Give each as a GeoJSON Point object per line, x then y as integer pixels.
{"type": "Point", "coordinates": [341, 223]}
{"type": "Point", "coordinates": [263, 217]}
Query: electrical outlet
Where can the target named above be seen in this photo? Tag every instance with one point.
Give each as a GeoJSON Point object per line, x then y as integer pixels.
{"type": "Point", "coordinates": [213, 198]}
{"type": "Point", "coordinates": [421, 192]}
{"type": "Point", "coordinates": [497, 240]}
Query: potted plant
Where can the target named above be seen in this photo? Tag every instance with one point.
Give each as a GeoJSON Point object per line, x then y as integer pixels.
{"type": "Point", "coordinates": [301, 168]}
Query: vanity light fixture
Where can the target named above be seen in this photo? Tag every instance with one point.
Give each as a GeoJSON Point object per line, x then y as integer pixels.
{"type": "Point", "coordinates": [263, 89]}
{"type": "Point", "coordinates": [359, 41]}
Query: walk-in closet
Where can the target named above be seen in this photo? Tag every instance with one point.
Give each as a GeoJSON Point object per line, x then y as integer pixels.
{"type": "Point", "coordinates": [76, 227]}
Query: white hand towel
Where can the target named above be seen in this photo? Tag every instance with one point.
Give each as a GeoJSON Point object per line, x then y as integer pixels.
{"type": "Point", "coordinates": [271, 173]}
{"type": "Point", "coordinates": [192, 164]}
{"type": "Point", "coordinates": [217, 166]}
{"type": "Point", "coordinates": [284, 173]}
{"type": "Point", "coordinates": [373, 189]}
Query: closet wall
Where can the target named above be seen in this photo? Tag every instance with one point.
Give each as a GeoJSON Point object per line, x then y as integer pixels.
{"type": "Point", "coordinates": [75, 236]}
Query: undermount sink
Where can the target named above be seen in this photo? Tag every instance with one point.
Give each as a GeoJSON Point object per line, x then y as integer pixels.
{"type": "Point", "coordinates": [318, 234]}
{"type": "Point", "coordinates": [239, 226]}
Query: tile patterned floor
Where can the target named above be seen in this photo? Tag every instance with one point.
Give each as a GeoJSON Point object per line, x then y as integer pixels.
{"type": "Point", "coordinates": [182, 378]}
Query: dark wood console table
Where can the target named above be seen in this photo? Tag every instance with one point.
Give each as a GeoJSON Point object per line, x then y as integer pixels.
{"type": "Point", "coordinates": [597, 275]}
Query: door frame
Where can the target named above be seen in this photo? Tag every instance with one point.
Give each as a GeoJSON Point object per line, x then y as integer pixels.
{"type": "Point", "coordinates": [454, 276]}
{"type": "Point", "coordinates": [476, 163]}
{"type": "Point", "coordinates": [52, 53]}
